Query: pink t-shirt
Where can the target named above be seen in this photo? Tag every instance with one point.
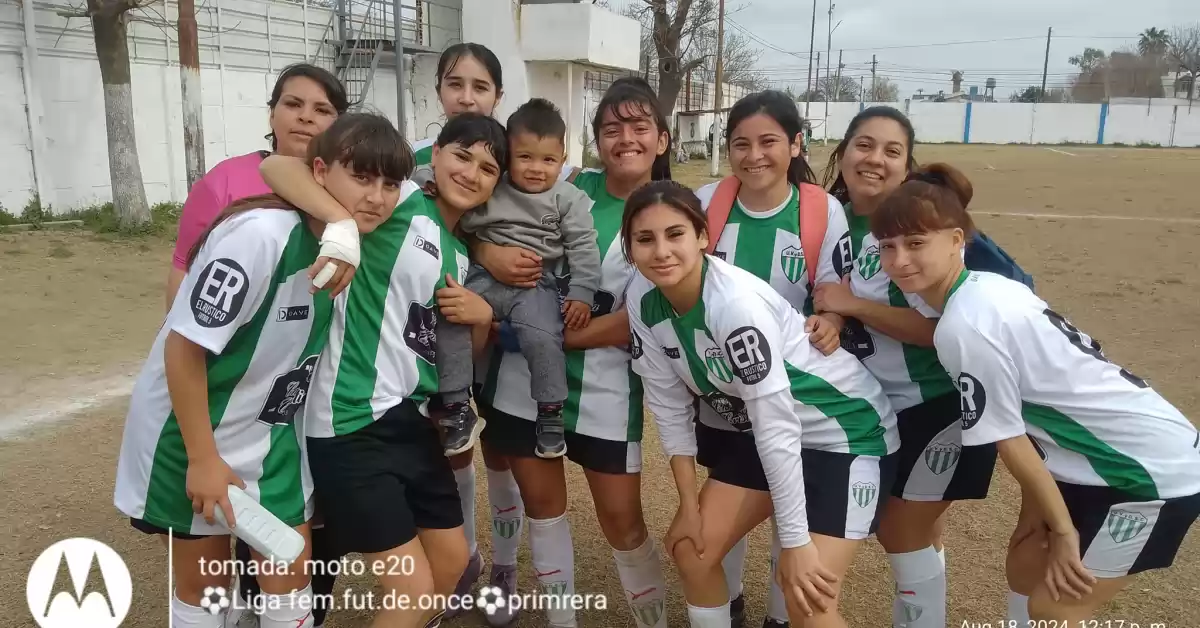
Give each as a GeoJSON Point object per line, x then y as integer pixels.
{"type": "Point", "coordinates": [233, 179]}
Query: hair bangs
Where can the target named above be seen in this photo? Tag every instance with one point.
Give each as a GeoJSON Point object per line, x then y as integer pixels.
{"type": "Point", "coordinates": [908, 212]}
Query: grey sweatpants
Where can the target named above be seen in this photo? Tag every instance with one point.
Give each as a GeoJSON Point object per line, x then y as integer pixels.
{"type": "Point", "coordinates": [535, 316]}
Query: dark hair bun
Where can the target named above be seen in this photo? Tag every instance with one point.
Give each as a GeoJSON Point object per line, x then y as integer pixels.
{"type": "Point", "coordinates": [949, 177]}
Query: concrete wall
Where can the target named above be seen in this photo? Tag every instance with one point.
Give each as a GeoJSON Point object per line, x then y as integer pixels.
{"type": "Point", "coordinates": [1155, 123]}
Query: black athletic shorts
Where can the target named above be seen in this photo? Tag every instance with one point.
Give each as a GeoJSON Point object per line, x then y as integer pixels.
{"type": "Point", "coordinates": [509, 435]}
{"type": "Point", "coordinates": [377, 486]}
{"type": "Point", "coordinates": [934, 466]}
{"type": "Point", "coordinates": [1122, 534]}
{"type": "Point", "coordinates": [146, 527]}
{"type": "Point", "coordinates": [842, 492]}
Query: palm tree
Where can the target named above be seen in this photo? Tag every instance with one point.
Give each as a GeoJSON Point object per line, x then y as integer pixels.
{"type": "Point", "coordinates": [1153, 42]}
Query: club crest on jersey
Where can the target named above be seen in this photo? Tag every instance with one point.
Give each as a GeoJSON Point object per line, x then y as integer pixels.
{"type": "Point", "coordinates": [747, 348]}
{"type": "Point", "coordinates": [974, 400]}
{"type": "Point", "coordinates": [219, 292]}
{"type": "Point", "coordinates": [420, 332]}
{"type": "Point", "coordinates": [427, 246]}
{"type": "Point", "coordinates": [868, 263]}
{"type": "Point", "coordinates": [287, 394]}
{"type": "Point", "coordinates": [506, 527]}
{"type": "Point", "coordinates": [791, 261]}
{"type": "Point", "coordinates": [732, 409]}
{"type": "Point", "coordinates": [941, 457]}
{"type": "Point", "coordinates": [1124, 525]}
{"type": "Point", "coordinates": [714, 361]}
{"type": "Point", "coordinates": [863, 493]}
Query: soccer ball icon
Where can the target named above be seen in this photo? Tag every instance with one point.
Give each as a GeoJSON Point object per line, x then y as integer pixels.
{"type": "Point", "coordinates": [214, 600]}
{"type": "Point", "coordinates": [491, 599]}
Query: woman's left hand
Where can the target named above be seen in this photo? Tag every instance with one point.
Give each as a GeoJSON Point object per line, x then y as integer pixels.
{"type": "Point", "coordinates": [462, 306]}
{"type": "Point", "coordinates": [806, 582]}
{"type": "Point", "coordinates": [822, 334]}
{"type": "Point", "coordinates": [834, 297]}
{"type": "Point", "coordinates": [1065, 572]}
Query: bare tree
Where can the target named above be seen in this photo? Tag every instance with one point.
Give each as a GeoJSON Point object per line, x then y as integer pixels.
{"type": "Point", "coordinates": [672, 29]}
{"type": "Point", "coordinates": [740, 58]}
{"type": "Point", "coordinates": [1183, 53]}
{"type": "Point", "coordinates": [110, 20]}
{"type": "Point", "coordinates": [883, 91]}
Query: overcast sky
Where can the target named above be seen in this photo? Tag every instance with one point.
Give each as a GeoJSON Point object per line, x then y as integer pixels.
{"type": "Point", "coordinates": [881, 27]}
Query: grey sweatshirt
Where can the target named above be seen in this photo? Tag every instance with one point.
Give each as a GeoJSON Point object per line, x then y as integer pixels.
{"type": "Point", "coordinates": [552, 224]}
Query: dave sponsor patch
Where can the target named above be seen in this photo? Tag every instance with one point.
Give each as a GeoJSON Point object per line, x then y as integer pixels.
{"type": "Point", "coordinates": [749, 354]}
{"type": "Point", "coordinates": [427, 246]}
{"type": "Point", "coordinates": [219, 293]}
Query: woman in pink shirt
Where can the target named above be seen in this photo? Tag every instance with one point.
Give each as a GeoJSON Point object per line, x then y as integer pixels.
{"type": "Point", "coordinates": [305, 101]}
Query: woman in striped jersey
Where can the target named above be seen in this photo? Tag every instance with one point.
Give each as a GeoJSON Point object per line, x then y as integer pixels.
{"type": "Point", "coordinates": [216, 402]}
{"type": "Point", "coordinates": [469, 80]}
{"type": "Point", "coordinates": [823, 430]}
{"type": "Point", "coordinates": [1109, 470]}
{"type": "Point", "coordinates": [604, 404]}
{"type": "Point", "coordinates": [891, 332]}
{"type": "Point", "coordinates": [762, 236]}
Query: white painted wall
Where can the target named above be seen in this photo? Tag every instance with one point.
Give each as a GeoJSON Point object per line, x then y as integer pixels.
{"type": "Point", "coordinates": [936, 122]}
{"type": "Point", "coordinates": [1060, 124]}
{"type": "Point", "coordinates": [577, 32]}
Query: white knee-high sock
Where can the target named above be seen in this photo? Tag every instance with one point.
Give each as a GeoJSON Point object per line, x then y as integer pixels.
{"type": "Point", "coordinates": [554, 565]}
{"type": "Point", "coordinates": [776, 605]}
{"type": "Point", "coordinates": [703, 617]}
{"type": "Point", "coordinates": [920, 589]}
{"type": "Point", "coordinates": [734, 565]}
{"type": "Point", "coordinates": [640, 571]}
{"type": "Point", "coordinates": [465, 478]}
{"type": "Point", "coordinates": [1018, 609]}
{"type": "Point", "coordinates": [508, 513]}
{"type": "Point", "coordinates": [187, 616]}
{"type": "Point", "coordinates": [288, 610]}
{"type": "Point", "coordinates": [942, 557]}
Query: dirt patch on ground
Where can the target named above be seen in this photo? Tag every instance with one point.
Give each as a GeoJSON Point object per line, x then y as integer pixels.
{"type": "Point", "coordinates": [83, 308]}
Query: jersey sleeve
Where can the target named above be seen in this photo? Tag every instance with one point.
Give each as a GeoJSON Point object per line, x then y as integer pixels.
{"type": "Point", "coordinates": [917, 303]}
{"type": "Point", "coordinates": [988, 382]}
{"type": "Point", "coordinates": [199, 210]}
{"type": "Point", "coordinates": [835, 259]}
{"type": "Point", "coordinates": [753, 344]}
{"type": "Point", "coordinates": [777, 432]}
{"type": "Point", "coordinates": [226, 284]}
{"type": "Point", "coordinates": [667, 396]}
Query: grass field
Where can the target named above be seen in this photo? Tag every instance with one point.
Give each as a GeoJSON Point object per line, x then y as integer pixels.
{"type": "Point", "coordinates": [1108, 234]}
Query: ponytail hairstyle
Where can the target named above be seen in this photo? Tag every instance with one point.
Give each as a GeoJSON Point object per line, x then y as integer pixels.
{"type": "Point", "coordinates": [636, 94]}
{"type": "Point", "coordinates": [365, 143]}
{"type": "Point", "coordinates": [782, 109]}
{"type": "Point", "coordinates": [833, 181]}
{"type": "Point", "coordinates": [661, 192]}
{"type": "Point", "coordinates": [931, 199]}
{"type": "Point", "coordinates": [333, 88]}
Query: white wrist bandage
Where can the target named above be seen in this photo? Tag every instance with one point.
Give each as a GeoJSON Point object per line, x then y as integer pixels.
{"type": "Point", "coordinates": [338, 242]}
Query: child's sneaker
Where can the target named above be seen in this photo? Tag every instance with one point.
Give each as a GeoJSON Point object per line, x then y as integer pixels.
{"type": "Point", "coordinates": [462, 428]}
{"type": "Point", "coordinates": [551, 431]}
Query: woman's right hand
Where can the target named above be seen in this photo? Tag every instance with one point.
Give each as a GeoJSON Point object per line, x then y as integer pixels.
{"type": "Point", "coordinates": [207, 486]}
{"type": "Point", "coordinates": [511, 265]}
{"type": "Point", "coordinates": [686, 526]}
{"type": "Point", "coordinates": [805, 582]}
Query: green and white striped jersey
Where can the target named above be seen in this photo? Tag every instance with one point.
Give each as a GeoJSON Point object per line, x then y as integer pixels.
{"type": "Point", "coordinates": [383, 341]}
{"type": "Point", "coordinates": [246, 301]}
{"type": "Point", "coordinates": [767, 245]}
{"type": "Point", "coordinates": [743, 341]}
{"type": "Point", "coordinates": [1021, 369]}
{"type": "Point", "coordinates": [604, 396]}
{"type": "Point", "coordinates": [423, 150]}
{"type": "Point", "coordinates": [909, 374]}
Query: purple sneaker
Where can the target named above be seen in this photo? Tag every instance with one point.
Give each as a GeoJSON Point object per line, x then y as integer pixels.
{"type": "Point", "coordinates": [504, 577]}
{"type": "Point", "coordinates": [466, 585]}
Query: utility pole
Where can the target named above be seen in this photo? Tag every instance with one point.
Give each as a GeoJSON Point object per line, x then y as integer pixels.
{"type": "Point", "coordinates": [817, 80]}
{"type": "Point", "coordinates": [838, 83]}
{"type": "Point", "coordinates": [716, 140]}
{"type": "Point", "coordinates": [862, 95]}
{"type": "Point", "coordinates": [811, 40]}
{"type": "Point", "coordinates": [189, 86]}
{"type": "Point", "coordinates": [874, 86]}
{"type": "Point", "coordinates": [398, 44]}
{"type": "Point", "coordinates": [828, 58]}
{"type": "Point", "coordinates": [1046, 65]}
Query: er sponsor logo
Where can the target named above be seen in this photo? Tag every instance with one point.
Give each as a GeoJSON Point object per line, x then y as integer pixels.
{"type": "Point", "coordinates": [219, 293]}
{"type": "Point", "coordinates": [79, 582]}
{"type": "Point", "coordinates": [974, 399]}
{"type": "Point", "coordinates": [750, 354]}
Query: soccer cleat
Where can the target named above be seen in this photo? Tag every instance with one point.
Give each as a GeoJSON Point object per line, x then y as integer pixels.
{"type": "Point", "coordinates": [504, 577]}
{"type": "Point", "coordinates": [550, 431]}
{"type": "Point", "coordinates": [462, 428]}
{"type": "Point", "coordinates": [775, 623]}
{"type": "Point", "coordinates": [465, 586]}
{"type": "Point", "coordinates": [737, 611]}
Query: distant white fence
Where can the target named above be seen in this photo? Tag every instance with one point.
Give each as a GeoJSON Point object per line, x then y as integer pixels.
{"type": "Point", "coordinates": [1156, 123]}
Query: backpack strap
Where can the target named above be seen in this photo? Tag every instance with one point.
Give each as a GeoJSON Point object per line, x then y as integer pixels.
{"type": "Point", "coordinates": [719, 207]}
{"type": "Point", "coordinates": [814, 221]}
{"type": "Point", "coordinates": [574, 173]}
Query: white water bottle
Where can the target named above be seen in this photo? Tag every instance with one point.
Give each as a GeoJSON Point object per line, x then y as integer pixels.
{"type": "Point", "coordinates": [261, 530]}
